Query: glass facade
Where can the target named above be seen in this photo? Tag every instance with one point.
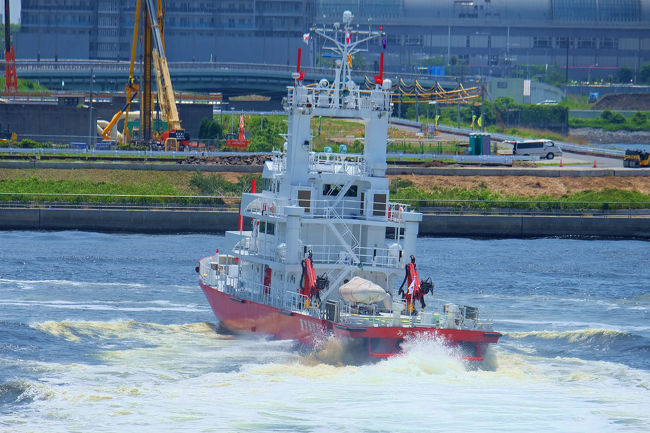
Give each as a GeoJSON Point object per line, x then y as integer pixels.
{"type": "Point", "coordinates": [333, 9]}
{"type": "Point", "coordinates": [619, 10]}
{"type": "Point", "coordinates": [597, 10]}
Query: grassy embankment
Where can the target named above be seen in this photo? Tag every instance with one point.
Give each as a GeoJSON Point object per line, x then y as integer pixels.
{"type": "Point", "coordinates": [186, 188]}
{"type": "Point", "coordinates": [482, 195]}
{"type": "Point", "coordinates": [24, 85]}
{"type": "Point", "coordinates": [121, 187]}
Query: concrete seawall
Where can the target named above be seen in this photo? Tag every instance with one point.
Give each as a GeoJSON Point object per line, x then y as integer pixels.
{"type": "Point", "coordinates": [136, 221]}
{"type": "Point", "coordinates": [162, 221]}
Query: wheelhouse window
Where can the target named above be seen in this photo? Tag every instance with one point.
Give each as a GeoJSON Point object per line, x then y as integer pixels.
{"type": "Point", "coordinates": [268, 228]}
{"type": "Point", "coordinates": [334, 190]}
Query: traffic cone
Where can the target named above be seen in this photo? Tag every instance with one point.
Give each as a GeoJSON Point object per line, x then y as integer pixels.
{"type": "Point", "coordinates": [595, 165]}
{"type": "Point", "coordinates": [561, 162]}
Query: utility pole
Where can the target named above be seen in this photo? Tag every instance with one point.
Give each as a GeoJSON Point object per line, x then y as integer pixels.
{"type": "Point", "coordinates": [417, 108]}
{"type": "Point", "coordinates": [566, 72]}
{"type": "Point", "coordinates": [482, 107]}
{"type": "Point", "coordinates": [91, 133]}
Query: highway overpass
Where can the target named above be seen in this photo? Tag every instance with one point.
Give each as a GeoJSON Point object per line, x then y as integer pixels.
{"type": "Point", "coordinates": [231, 79]}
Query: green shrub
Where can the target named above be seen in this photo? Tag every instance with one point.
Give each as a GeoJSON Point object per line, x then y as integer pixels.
{"type": "Point", "coordinates": [399, 183]}
{"type": "Point", "coordinates": [215, 184]}
{"type": "Point", "coordinates": [638, 118]}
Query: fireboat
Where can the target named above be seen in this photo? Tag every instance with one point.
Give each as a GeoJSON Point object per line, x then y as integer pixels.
{"type": "Point", "coordinates": [327, 254]}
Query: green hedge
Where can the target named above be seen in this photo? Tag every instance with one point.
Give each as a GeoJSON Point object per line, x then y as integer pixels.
{"type": "Point", "coordinates": [611, 121]}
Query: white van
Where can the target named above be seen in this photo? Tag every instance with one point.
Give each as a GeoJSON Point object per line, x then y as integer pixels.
{"type": "Point", "coordinates": [542, 148]}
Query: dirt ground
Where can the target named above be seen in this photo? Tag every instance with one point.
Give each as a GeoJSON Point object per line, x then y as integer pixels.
{"type": "Point", "coordinates": [532, 185]}
{"type": "Point", "coordinates": [625, 101]}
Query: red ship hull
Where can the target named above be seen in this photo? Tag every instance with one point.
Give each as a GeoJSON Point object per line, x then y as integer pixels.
{"type": "Point", "coordinates": [244, 316]}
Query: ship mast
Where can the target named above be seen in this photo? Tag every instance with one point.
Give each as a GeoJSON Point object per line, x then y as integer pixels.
{"type": "Point", "coordinates": [343, 99]}
{"type": "Point", "coordinates": [345, 43]}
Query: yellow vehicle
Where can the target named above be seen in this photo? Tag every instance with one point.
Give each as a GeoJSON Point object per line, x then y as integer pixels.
{"type": "Point", "coordinates": [636, 159]}
{"type": "Point", "coordinates": [7, 134]}
{"type": "Point", "coordinates": [153, 54]}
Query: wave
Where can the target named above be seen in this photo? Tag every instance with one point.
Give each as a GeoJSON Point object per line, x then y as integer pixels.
{"type": "Point", "coordinates": [589, 325]}
{"type": "Point", "coordinates": [23, 391]}
{"type": "Point", "coordinates": [75, 330]}
{"type": "Point", "coordinates": [422, 355]}
{"type": "Point", "coordinates": [75, 283]}
{"type": "Point", "coordinates": [107, 306]}
{"type": "Point", "coordinates": [577, 336]}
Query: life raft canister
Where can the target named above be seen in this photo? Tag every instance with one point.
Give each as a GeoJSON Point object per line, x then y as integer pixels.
{"type": "Point", "coordinates": [308, 279]}
{"type": "Point", "coordinates": [267, 280]}
{"type": "Point", "coordinates": [413, 283]}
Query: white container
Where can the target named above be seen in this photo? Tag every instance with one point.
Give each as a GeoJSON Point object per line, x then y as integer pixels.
{"type": "Point", "coordinates": [452, 312]}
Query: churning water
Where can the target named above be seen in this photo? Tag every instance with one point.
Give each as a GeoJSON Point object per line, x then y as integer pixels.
{"type": "Point", "coordinates": [110, 332]}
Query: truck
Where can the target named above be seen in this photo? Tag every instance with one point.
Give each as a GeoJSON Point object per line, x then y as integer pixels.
{"type": "Point", "coordinates": [636, 159]}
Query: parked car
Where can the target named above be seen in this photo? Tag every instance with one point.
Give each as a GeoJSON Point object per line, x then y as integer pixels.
{"type": "Point", "coordinates": [542, 148]}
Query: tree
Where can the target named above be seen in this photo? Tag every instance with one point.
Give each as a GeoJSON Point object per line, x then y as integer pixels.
{"type": "Point", "coordinates": [210, 129]}
{"type": "Point", "coordinates": [625, 74]}
{"type": "Point", "coordinates": [431, 61]}
{"type": "Point", "coordinates": [644, 74]}
{"type": "Point", "coordinates": [358, 63]}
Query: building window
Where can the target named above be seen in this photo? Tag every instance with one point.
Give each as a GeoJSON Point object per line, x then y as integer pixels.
{"type": "Point", "coordinates": [541, 42]}
{"type": "Point", "coordinates": [586, 42]}
{"type": "Point", "coordinates": [607, 43]}
{"type": "Point", "coordinates": [564, 42]}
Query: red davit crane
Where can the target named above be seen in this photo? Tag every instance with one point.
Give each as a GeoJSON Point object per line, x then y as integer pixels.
{"type": "Point", "coordinates": [11, 83]}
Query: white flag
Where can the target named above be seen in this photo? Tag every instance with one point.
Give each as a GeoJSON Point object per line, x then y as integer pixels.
{"type": "Point", "coordinates": [411, 287]}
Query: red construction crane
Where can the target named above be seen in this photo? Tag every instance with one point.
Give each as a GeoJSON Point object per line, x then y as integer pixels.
{"type": "Point", "coordinates": [240, 142]}
{"type": "Point", "coordinates": [11, 83]}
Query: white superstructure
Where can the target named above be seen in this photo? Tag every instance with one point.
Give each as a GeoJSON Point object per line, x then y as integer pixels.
{"type": "Point", "coordinates": [334, 205]}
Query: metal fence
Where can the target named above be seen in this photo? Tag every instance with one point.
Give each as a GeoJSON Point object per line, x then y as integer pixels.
{"type": "Point", "coordinates": [223, 203]}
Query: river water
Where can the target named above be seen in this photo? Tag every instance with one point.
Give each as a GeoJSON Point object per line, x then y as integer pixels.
{"type": "Point", "coordinates": [109, 332]}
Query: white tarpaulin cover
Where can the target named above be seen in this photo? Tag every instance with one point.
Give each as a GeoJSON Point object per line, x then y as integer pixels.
{"type": "Point", "coordinates": [361, 291]}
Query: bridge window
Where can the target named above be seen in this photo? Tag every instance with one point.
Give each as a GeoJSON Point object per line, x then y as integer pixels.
{"type": "Point", "coordinates": [304, 199]}
{"type": "Point", "coordinates": [268, 228]}
{"type": "Point", "coordinates": [334, 190]}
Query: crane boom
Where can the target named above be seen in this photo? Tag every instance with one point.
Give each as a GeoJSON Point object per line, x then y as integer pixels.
{"type": "Point", "coordinates": [166, 98]}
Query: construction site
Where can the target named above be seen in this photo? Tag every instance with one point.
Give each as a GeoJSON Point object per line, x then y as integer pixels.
{"type": "Point", "coordinates": [148, 113]}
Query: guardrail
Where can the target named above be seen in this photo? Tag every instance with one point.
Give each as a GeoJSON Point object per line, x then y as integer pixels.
{"type": "Point", "coordinates": [571, 147]}
{"type": "Point", "coordinates": [135, 153]}
{"type": "Point", "coordinates": [27, 66]}
{"type": "Point", "coordinates": [231, 204]}
{"type": "Point", "coordinates": [532, 208]}
{"type": "Point", "coordinates": [119, 201]}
